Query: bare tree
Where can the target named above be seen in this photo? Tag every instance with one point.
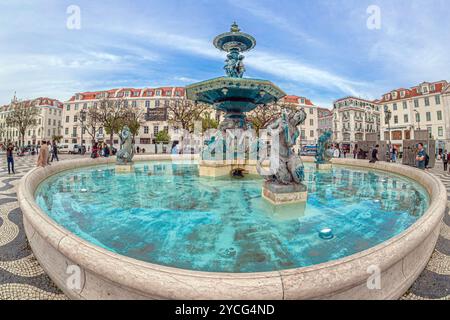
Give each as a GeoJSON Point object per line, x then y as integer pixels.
{"type": "Point", "coordinates": [110, 114]}
{"type": "Point", "coordinates": [91, 121]}
{"type": "Point", "coordinates": [22, 116]}
{"type": "Point", "coordinates": [185, 113]}
{"type": "Point", "coordinates": [263, 115]}
{"type": "Point", "coordinates": [2, 133]}
{"type": "Point", "coordinates": [133, 119]}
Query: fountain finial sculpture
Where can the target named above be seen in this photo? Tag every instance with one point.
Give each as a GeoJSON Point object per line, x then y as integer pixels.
{"type": "Point", "coordinates": [126, 153]}
{"type": "Point", "coordinates": [234, 42]}
{"type": "Point", "coordinates": [323, 155]}
{"type": "Point", "coordinates": [284, 183]}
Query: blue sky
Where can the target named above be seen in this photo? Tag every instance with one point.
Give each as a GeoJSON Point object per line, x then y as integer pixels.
{"type": "Point", "coordinates": [319, 49]}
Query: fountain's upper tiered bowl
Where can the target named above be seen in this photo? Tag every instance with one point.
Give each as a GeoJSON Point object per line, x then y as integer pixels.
{"type": "Point", "coordinates": [234, 94]}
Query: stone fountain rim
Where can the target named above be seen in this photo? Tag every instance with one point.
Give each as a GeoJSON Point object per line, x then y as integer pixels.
{"type": "Point", "coordinates": [327, 279]}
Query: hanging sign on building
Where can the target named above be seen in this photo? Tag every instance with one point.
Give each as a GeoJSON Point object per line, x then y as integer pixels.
{"type": "Point", "coordinates": [156, 114]}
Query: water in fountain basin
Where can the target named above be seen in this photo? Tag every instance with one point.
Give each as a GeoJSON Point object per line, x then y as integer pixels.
{"type": "Point", "coordinates": [165, 213]}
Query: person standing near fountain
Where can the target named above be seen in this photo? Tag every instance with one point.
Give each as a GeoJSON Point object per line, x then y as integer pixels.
{"type": "Point", "coordinates": [445, 159]}
{"type": "Point", "coordinates": [374, 154]}
{"type": "Point", "coordinates": [10, 158]}
{"type": "Point", "coordinates": [43, 155]}
{"type": "Point", "coordinates": [421, 157]}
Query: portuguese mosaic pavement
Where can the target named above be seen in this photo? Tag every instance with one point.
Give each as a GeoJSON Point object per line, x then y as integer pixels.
{"type": "Point", "coordinates": [21, 276]}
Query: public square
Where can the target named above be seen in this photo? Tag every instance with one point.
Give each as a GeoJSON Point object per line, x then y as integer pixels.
{"type": "Point", "coordinates": [23, 278]}
{"type": "Point", "coordinates": [231, 153]}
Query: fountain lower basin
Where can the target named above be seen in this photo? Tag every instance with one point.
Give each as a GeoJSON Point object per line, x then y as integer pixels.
{"type": "Point", "coordinates": [109, 275]}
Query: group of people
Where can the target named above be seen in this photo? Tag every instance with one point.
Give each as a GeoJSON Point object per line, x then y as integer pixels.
{"type": "Point", "coordinates": [48, 153]}
{"type": "Point", "coordinates": [422, 158]}
{"type": "Point", "coordinates": [102, 150]}
{"type": "Point", "coordinates": [139, 150]}
{"type": "Point", "coordinates": [337, 152]}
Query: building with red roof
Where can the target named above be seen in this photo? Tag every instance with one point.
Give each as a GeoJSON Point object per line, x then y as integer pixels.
{"type": "Point", "coordinates": [420, 107]}
{"type": "Point", "coordinates": [150, 101]}
{"type": "Point", "coordinates": [309, 131]}
{"type": "Point", "coordinates": [48, 123]}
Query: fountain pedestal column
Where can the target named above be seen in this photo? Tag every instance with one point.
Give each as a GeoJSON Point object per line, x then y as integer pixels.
{"type": "Point", "coordinates": [221, 168]}
{"type": "Point", "coordinates": [324, 166]}
{"type": "Point", "coordinates": [279, 194]}
{"type": "Point", "coordinates": [124, 168]}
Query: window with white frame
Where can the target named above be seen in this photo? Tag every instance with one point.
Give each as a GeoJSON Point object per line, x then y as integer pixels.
{"type": "Point", "coordinates": [437, 99]}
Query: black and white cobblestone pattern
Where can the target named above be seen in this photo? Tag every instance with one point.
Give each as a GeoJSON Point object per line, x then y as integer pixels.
{"type": "Point", "coordinates": [22, 278]}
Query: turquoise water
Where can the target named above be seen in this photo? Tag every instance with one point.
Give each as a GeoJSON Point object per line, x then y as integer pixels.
{"type": "Point", "coordinates": [165, 213]}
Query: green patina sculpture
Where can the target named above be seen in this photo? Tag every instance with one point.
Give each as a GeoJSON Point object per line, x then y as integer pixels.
{"type": "Point", "coordinates": [234, 95]}
{"type": "Point", "coordinates": [126, 152]}
{"type": "Point", "coordinates": [324, 154]}
{"type": "Point", "coordinates": [289, 169]}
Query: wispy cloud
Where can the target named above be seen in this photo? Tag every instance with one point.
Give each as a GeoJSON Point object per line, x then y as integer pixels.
{"type": "Point", "coordinates": [273, 63]}
{"type": "Point", "coordinates": [319, 49]}
{"type": "Point", "coordinates": [275, 19]}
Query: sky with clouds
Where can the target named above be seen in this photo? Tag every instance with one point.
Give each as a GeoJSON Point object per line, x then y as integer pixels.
{"type": "Point", "coordinates": [319, 49]}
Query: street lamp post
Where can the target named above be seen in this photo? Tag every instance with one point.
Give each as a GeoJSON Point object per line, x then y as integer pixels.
{"type": "Point", "coordinates": [83, 119]}
{"type": "Point", "coordinates": [417, 118]}
{"type": "Point", "coordinates": [388, 115]}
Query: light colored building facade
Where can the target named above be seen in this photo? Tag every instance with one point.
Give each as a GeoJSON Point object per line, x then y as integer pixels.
{"type": "Point", "coordinates": [48, 123]}
{"type": "Point", "coordinates": [354, 118]}
{"type": "Point", "coordinates": [325, 119]}
{"type": "Point", "coordinates": [425, 107]}
{"type": "Point", "coordinates": [150, 102]}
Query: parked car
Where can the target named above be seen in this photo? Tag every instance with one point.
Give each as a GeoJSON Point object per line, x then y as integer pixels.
{"type": "Point", "coordinates": [78, 149]}
{"type": "Point", "coordinates": [63, 148]}
{"type": "Point", "coordinates": [308, 151]}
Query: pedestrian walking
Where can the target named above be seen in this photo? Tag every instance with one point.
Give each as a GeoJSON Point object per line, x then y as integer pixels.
{"type": "Point", "coordinates": [394, 154]}
{"type": "Point", "coordinates": [355, 151]}
{"type": "Point", "coordinates": [445, 160]}
{"type": "Point", "coordinates": [175, 149]}
{"type": "Point", "coordinates": [55, 151]}
{"type": "Point", "coordinates": [374, 158]}
{"type": "Point", "coordinates": [106, 151]}
{"type": "Point", "coordinates": [336, 153]}
{"type": "Point", "coordinates": [10, 158]}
